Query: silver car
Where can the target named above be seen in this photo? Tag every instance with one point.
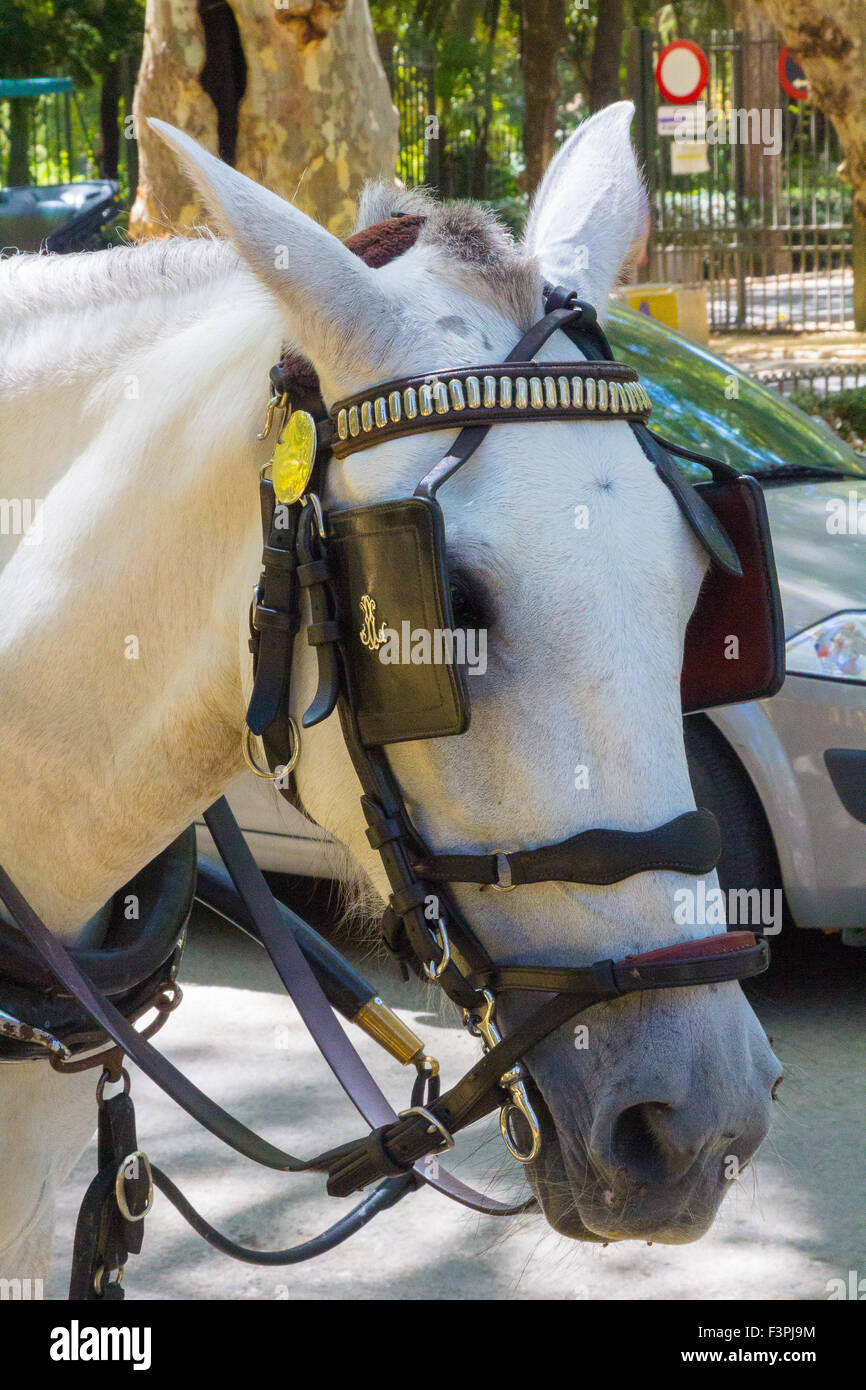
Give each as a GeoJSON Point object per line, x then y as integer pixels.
{"type": "Point", "coordinates": [786, 777]}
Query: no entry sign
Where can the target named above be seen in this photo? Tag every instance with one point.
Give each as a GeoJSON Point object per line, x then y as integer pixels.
{"type": "Point", "coordinates": [792, 78]}
{"type": "Point", "coordinates": [682, 72]}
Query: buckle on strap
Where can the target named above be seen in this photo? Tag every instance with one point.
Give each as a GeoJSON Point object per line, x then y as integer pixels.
{"type": "Point", "coordinates": [503, 882]}
{"type": "Point", "coordinates": [433, 1124]}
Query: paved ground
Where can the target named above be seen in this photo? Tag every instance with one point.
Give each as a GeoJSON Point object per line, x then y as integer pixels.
{"type": "Point", "coordinates": [772, 349]}
{"type": "Point", "coordinates": [809, 297]}
{"type": "Point", "coordinates": [798, 1220]}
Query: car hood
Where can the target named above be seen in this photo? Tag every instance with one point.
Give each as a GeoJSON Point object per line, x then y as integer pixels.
{"type": "Point", "coordinates": [819, 572]}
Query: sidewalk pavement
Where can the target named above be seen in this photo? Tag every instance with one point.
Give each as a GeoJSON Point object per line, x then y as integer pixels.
{"type": "Point", "coordinates": [750, 350]}
{"type": "Point", "coordinates": [794, 1221]}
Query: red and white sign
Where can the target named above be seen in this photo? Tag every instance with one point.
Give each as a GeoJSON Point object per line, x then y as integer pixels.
{"type": "Point", "coordinates": [792, 78]}
{"type": "Point", "coordinates": [682, 72]}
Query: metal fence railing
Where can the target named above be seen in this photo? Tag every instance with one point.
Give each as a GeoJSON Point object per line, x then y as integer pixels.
{"type": "Point", "coordinates": [456, 155]}
{"type": "Point", "coordinates": [824, 378]}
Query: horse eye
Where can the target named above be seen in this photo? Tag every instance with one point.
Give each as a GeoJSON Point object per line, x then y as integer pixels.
{"type": "Point", "coordinates": [468, 607]}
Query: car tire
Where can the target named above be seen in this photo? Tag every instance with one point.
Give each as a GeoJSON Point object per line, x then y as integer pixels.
{"type": "Point", "coordinates": [721, 784]}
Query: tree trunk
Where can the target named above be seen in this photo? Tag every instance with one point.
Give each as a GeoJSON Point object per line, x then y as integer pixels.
{"type": "Point", "coordinates": [18, 171]}
{"type": "Point", "coordinates": [109, 112]}
{"type": "Point", "coordinates": [303, 106]}
{"type": "Point", "coordinates": [542, 33]}
{"type": "Point", "coordinates": [482, 143]}
{"type": "Point", "coordinates": [762, 174]}
{"type": "Point", "coordinates": [828, 39]}
{"type": "Point", "coordinates": [606, 54]}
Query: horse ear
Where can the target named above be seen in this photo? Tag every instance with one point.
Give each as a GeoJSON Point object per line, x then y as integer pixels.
{"type": "Point", "coordinates": [335, 306]}
{"type": "Point", "coordinates": [585, 216]}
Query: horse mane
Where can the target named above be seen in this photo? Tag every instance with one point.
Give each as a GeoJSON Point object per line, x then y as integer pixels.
{"type": "Point", "coordinates": [64, 317]}
{"type": "Point", "coordinates": [32, 284]}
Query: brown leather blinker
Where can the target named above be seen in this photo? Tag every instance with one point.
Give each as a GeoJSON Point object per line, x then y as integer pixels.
{"type": "Point", "coordinates": [735, 642]}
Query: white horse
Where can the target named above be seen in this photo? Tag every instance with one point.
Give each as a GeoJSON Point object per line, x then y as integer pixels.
{"type": "Point", "coordinates": [133, 386]}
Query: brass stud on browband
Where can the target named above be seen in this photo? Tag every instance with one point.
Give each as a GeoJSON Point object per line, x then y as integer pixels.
{"type": "Point", "coordinates": [410, 402]}
{"type": "Point", "coordinates": [521, 393]}
{"type": "Point", "coordinates": [366, 416]}
{"type": "Point", "coordinates": [394, 407]}
{"type": "Point", "coordinates": [458, 400]}
{"type": "Point", "coordinates": [536, 399]}
{"type": "Point", "coordinates": [550, 392]}
{"type": "Point", "coordinates": [473, 392]}
{"type": "Point", "coordinates": [425, 399]}
{"type": "Point", "coordinates": [440, 398]}
{"type": "Point", "coordinates": [564, 391]}
{"type": "Point", "coordinates": [489, 392]}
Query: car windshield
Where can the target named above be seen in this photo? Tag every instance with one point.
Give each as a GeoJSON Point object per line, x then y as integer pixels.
{"type": "Point", "coordinates": [704, 403]}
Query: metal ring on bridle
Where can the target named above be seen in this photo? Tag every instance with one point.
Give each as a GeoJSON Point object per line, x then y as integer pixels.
{"type": "Point", "coordinates": [281, 771]}
{"type": "Point", "coordinates": [432, 970]}
{"type": "Point", "coordinates": [120, 1186]}
{"type": "Point", "coordinates": [100, 1283]}
{"type": "Point", "coordinates": [511, 1143]}
{"type": "Point", "coordinates": [106, 1079]}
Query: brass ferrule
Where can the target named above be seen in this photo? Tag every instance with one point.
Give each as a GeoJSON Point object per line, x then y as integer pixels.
{"type": "Point", "coordinates": [382, 1025]}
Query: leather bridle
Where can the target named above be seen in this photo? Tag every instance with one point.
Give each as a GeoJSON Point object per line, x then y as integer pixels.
{"type": "Point", "coordinates": [443, 948]}
{"type": "Point", "coordinates": [446, 949]}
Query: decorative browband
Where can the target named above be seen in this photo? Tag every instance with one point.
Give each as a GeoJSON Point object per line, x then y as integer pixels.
{"type": "Point", "coordinates": [487, 395]}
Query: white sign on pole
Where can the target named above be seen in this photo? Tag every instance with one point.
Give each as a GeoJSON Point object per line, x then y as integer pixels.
{"type": "Point", "coordinates": [689, 157]}
{"type": "Point", "coordinates": [667, 119]}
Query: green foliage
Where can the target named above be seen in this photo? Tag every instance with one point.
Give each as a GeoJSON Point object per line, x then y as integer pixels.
{"type": "Point", "coordinates": [75, 38]}
{"type": "Point", "coordinates": [472, 48]}
{"type": "Point", "coordinates": [844, 411]}
{"type": "Point", "coordinates": [475, 46]}
{"type": "Point", "coordinates": [683, 19]}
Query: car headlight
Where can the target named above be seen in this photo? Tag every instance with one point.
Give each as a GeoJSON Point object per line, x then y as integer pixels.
{"type": "Point", "coordinates": [835, 648]}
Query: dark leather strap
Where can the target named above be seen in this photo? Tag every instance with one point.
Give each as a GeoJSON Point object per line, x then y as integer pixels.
{"type": "Point", "coordinates": [689, 844]}
{"type": "Point", "coordinates": [104, 1237]}
{"type": "Point", "coordinates": [274, 614]}
{"type": "Point", "coordinates": [731, 956]}
{"type": "Point", "coordinates": [469, 438]}
{"type": "Point", "coordinates": [303, 988]}
{"type": "Point", "coordinates": [701, 520]}
{"type": "Point", "coordinates": [386, 1195]}
{"type": "Point", "coordinates": [324, 628]}
{"type": "Point", "coordinates": [722, 472]}
{"type": "Point", "coordinates": [699, 517]}
{"type": "Point", "coordinates": [313, 1007]}
{"type": "Point", "coordinates": [703, 962]}
{"type": "Point", "coordinates": [208, 1114]}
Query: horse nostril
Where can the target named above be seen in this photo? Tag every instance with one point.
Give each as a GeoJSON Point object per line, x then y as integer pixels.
{"type": "Point", "coordinates": [776, 1084]}
{"type": "Point", "coordinates": [634, 1143]}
